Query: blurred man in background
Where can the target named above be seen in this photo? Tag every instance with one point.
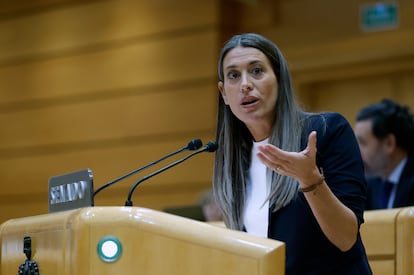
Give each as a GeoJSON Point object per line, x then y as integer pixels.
{"type": "Point", "coordinates": [385, 133]}
{"type": "Point", "coordinates": [211, 210]}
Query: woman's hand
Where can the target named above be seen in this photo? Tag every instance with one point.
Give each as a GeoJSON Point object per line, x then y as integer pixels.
{"type": "Point", "coordinates": [298, 165]}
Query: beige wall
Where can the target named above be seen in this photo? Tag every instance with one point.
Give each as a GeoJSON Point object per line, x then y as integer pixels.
{"type": "Point", "coordinates": [106, 85]}
{"type": "Point", "coordinates": [113, 85]}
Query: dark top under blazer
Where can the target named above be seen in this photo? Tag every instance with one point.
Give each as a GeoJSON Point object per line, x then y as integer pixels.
{"type": "Point", "coordinates": [404, 195]}
{"type": "Point", "coordinates": [308, 251]}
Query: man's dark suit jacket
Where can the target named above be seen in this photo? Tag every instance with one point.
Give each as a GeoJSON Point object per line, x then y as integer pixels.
{"type": "Point", "coordinates": [404, 195]}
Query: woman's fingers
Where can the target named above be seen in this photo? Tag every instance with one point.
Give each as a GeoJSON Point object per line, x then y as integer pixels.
{"type": "Point", "coordinates": [295, 164]}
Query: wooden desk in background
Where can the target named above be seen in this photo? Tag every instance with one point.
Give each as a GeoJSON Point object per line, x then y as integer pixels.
{"type": "Point", "coordinates": [388, 236]}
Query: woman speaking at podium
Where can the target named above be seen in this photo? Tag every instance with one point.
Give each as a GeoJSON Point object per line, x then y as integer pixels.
{"type": "Point", "coordinates": [282, 173]}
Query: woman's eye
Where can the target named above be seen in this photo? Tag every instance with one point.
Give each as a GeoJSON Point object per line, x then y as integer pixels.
{"type": "Point", "coordinates": [257, 70]}
{"type": "Point", "coordinates": [232, 75]}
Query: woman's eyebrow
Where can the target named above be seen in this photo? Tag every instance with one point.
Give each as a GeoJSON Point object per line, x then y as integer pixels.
{"type": "Point", "coordinates": [252, 62]}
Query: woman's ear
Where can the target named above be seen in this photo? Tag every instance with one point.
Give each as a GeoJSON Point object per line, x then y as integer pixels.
{"type": "Point", "coordinates": [222, 91]}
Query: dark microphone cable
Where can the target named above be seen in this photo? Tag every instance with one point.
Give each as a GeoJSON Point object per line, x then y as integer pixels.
{"type": "Point", "coordinates": [192, 145]}
{"type": "Point", "coordinates": [209, 147]}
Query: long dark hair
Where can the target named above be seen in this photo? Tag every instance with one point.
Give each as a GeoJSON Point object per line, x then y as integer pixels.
{"type": "Point", "coordinates": [235, 141]}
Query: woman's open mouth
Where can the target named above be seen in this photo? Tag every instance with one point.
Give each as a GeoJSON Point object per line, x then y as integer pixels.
{"type": "Point", "coordinates": [248, 101]}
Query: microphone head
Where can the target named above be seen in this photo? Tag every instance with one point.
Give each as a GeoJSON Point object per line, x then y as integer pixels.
{"type": "Point", "coordinates": [194, 144]}
{"type": "Point", "coordinates": [211, 146]}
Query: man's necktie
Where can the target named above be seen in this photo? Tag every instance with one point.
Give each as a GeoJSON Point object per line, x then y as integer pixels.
{"type": "Point", "coordinates": [385, 194]}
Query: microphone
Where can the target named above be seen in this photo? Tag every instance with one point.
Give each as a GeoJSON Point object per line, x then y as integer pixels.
{"type": "Point", "coordinates": [209, 147]}
{"type": "Point", "coordinates": [192, 145]}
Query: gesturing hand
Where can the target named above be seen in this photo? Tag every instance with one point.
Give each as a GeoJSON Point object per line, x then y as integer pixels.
{"type": "Point", "coordinates": [298, 165]}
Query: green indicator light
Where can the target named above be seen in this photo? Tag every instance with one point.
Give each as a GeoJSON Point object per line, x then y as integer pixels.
{"type": "Point", "coordinates": [109, 249]}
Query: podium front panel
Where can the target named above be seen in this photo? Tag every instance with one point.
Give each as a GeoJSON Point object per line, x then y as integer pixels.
{"type": "Point", "coordinates": [110, 240]}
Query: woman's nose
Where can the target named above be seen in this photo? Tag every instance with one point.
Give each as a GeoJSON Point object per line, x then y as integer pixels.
{"type": "Point", "coordinates": [246, 84]}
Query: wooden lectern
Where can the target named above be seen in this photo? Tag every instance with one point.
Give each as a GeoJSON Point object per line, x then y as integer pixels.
{"type": "Point", "coordinates": [134, 240]}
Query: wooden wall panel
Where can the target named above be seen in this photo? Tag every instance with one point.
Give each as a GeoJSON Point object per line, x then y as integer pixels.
{"type": "Point", "coordinates": [24, 180]}
{"type": "Point", "coordinates": [11, 9]}
{"type": "Point", "coordinates": [135, 66]}
{"type": "Point", "coordinates": [350, 95]}
{"type": "Point", "coordinates": [152, 113]}
{"type": "Point", "coordinates": [93, 25]}
{"type": "Point", "coordinates": [302, 23]}
{"type": "Point", "coordinates": [106, 85]}
{"type": "Point", "coordinates": [32, 173]}
{"type": "Point", "coordinates": [145, 196]}
{"type": "Point", "coordinates": [405, 86]}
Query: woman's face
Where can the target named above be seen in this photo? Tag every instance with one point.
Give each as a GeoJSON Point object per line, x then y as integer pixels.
{"type": "Point", "coordinates": [250, 89]}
